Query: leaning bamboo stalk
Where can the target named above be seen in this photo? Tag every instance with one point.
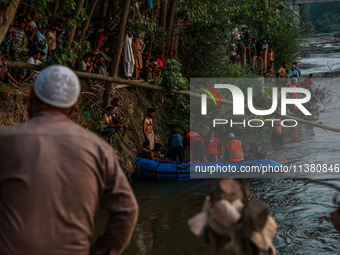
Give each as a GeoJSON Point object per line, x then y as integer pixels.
{"type": "Point", "coordinates": [123, 82]}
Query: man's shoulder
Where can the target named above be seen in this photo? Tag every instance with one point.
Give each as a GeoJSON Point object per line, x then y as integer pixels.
{"type": "Point", "coordinates": [55, 126]}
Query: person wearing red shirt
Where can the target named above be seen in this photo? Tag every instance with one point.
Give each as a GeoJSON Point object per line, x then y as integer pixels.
{"type": "Point", "coordinates": [196, 146]}
{"type": "Point", "coordinates": [160, 61]}
{"type": "Point", "coordinates": [211, 145]}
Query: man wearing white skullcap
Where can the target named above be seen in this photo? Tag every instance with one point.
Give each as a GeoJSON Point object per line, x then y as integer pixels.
{"type": "Point", "coordinates": [54, 175]}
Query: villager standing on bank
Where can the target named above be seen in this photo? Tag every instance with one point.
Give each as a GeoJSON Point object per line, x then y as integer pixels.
{"type": "Point", "coordinates": [293, 73]}
{"type": "Point", "coordinates": [128, 58]}
{"type": "Point", "coordinates": [297, 69]}
{"type": "Point", "coordinates": [60, 173]}
{"type": "Point", "coordinates": [148, 128]}
{"type": "Point", "coordinates": [253, 53]}
{"type": "Point", "coordinates": [246, 39]}
{"type": "Point", "coordinates": [270, 56]}
{"type": "Point", "coordinates": [137, 47]}
{"type": "Point", "coordinates": [283, 71]}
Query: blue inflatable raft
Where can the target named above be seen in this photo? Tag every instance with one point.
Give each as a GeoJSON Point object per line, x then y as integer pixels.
{"type": "Point", "coordinates": [167, 170]}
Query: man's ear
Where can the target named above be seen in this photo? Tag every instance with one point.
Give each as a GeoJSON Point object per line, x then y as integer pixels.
{"type": "Point", "coordinates": [72, 110]}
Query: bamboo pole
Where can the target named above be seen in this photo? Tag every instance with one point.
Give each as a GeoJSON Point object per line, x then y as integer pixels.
{"type": "Point", "coordinates": [122, 83]}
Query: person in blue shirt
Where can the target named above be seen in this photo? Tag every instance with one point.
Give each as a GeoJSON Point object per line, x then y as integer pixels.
{"type": "Point", "coordinates": [40, 41]}
{"type": "Point", "coordinates": [293, 73]}
{"type": "Point", "coordinates": [253, 52]}
{"type": "Point", "coordinates": [297, 69]}
{"type": "Point", "coordinates": [175, 144]}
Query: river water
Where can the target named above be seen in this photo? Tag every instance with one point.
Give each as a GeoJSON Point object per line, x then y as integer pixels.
{"type": "Point", "coordinates": [301, 210]}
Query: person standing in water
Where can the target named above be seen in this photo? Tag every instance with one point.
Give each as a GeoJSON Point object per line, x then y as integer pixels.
{"type": "Point", "coordinates": [278, 134]}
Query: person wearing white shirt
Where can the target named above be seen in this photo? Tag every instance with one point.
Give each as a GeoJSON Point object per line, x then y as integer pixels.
{"type": "Point", "coordinates": [34, 60]}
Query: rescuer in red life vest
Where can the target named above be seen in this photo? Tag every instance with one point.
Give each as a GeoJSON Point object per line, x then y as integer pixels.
{"type": "Point", "coordinates": [211, 145]}
{"type": "Point", "coordinates": [196, 146]}
{"type": "Point", "coordinates": [234, 149]}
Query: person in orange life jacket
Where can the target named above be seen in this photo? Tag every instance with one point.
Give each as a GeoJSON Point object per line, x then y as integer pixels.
{"type": "Point", "coordinates": [211, 145]}
{"type": "Point", "coordinates": [196, 146]}
{"type": "Point", "coordinates": [233, 150]}
{"type": "Point", "coordinates": [176, 149]}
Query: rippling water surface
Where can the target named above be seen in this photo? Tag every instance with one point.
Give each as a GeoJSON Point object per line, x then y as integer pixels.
{"type": "Point", "coordinates": [301, 210]}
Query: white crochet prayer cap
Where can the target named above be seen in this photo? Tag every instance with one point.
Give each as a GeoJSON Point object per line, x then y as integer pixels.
{"type": "Point", "coordinates": [57, 86]}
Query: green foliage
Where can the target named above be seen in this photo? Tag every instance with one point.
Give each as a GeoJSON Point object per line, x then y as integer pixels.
{"type": "Point", "coordinates": [171, 77]}
{"type": "Point", "coordinates": [3, 2]}
{"type": "Point", "coordinates": [324, 17]}
{"type": "Point", "coordinates": [83, 16]}
{"type": "Point", "coordinates": [63, 56]}
{"type": "Point", "coordinates": [179, 115]}
{"type": "Point", "coordinates": [286, 45]}
{"type": "Point", "coordinates": [96, 118]}
{"type": "Point", "coordinates": [140, 27]}
{"type": "Point", "coordinates": [206, 49]}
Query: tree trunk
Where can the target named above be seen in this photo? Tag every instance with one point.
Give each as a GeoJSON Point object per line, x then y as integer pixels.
{"type": "Point", "coordinates": [115, 13]}
{"type": "Point", "coordinates": [109, 11]}
{"type": "Point", "coordinates": [265, 56]}
{"type": "Point", "coordinates": [55, 7]}
{"type": "Point", "coordinates": [118, 48]}
{"type": "Point", "coordinates": [72, 32]}
{"type": "Point", "coordinates": [151, 35]}
{"type": "Point", "coordinates": [120, 39]}
{"type": "Point", "coordinates": [171, 16]}
{"type": "Point", "coordinates": [162, 21]}
{"type": "Point", "coordinates": [103, 8]}
{"type": "Point", "coordinates": [86, 25]}
{"type": "Point", "coordinates": [7, 13]}
{"type": "Point", "coordinates": [170, 23]}
{"type": "Point", "coordinates": [176, 42]}
{"type": "Point", "coordinates": [173, 39]}
{"type": "Point", "coordinates": [115, 7]}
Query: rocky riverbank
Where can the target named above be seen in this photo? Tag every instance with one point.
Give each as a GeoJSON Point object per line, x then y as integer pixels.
{"type": "Point", "coordinates": [317, 45]}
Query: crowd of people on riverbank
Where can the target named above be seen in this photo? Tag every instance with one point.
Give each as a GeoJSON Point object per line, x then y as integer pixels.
{"type": "Point", "coordinates": [257, 53]}
{"type": "Point", "coordinates": [29, 41]}
{"type": "Point", "coordinates": [260, 55]}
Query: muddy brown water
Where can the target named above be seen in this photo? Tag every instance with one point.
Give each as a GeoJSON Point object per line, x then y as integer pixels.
{"type": "Point", "coordinates": [301, 210]}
